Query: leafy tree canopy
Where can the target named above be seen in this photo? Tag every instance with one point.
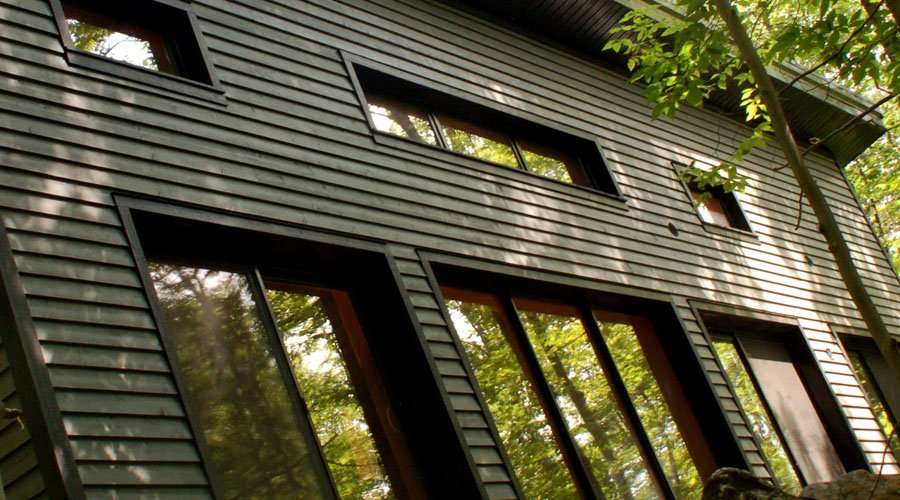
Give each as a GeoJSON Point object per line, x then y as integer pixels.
{"type": "Point", "coordinates": [683, 59]}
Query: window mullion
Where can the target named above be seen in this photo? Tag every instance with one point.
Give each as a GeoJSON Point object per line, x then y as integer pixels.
{"type": "Point", "coordinates": [584, 478]}
{"type": "Point", "coordinates": [279, 352]}
{"type": "Point", "coordinates": [632, 417]}
{"type": "Point", "coordinates": [520, 157]}
{"type": "Point", "coordinates": [438, 131]}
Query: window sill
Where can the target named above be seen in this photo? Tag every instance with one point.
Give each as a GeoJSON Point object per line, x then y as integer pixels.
{"type": "Point", "coordinates": [166, 81]}
{"type": "Point", "coordinates": [730, 232]}
{"type": "Point", "coordinates": [394, 141]}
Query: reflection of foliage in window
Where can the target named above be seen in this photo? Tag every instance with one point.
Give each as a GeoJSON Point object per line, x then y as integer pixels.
{"type": "Point", "coordinates": [337, 416]}
{"type": "Point", "coordinates": [763, 427]}
{"type": "Point", "coordinates": [397, 119]}
{"type": "Point", "coordinates": [546, 166]}
{"type": "Point", "coordinates": [589, 405]}
{"type": "Point", "coordinates": [875, 400]}
{"type": "Point", "coordinates": [233, 385]}
{"type": "Point", "coordinates": [112, 44]}
{"type": "Point", "coordinates": [517, 412]}
{"type": "Point", "coordinates": [651, 406]}
{"type": "Point", "coordinates": [466, 139]}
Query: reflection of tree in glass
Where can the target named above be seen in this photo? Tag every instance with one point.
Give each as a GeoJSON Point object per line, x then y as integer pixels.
{"type": "Point", "coordinates": [875, 401]}
{"type": "Point", "coordinates": [587, 401]}
{"type": "Point", "coordinates": [472, 140]}
{"type": "Point", "coordinates": [763, 428]}
{"type": "Point", "coordinates": [112, 44]}
{"type": "Point", "coordinates": [648, 400]}
{"type": "Point", "coordinates": [518, 414]}
{"type": "Point", "coordinates": [337, 415]}
{"type": "Point", "coordinates": [233, 385]}
{"type": "Point", "coordinates": [397, 118]}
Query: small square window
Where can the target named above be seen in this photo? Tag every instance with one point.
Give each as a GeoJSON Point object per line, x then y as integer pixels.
{"type": "Point", "coordinates": [152, 41]}
{"type": "Point", "coordinates": [716, 206]}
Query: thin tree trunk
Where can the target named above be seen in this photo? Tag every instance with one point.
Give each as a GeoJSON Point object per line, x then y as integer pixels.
{"type": "Point", "coordinates": [827, 223]}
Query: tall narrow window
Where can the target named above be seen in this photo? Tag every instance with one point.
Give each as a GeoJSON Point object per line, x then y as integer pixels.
{"type": "Point", "coordinates": [622, 339]}
{"type": "Point", "coordinates": [319, 351]}
{"type": "Point", "coordinates": [767, 434]}
{"type": "Point", "coordinates": [516, 407]}
{"type": "Point", "coordinates": [880, 383]}
{"type": "Point", "coordinates": [230, 368]}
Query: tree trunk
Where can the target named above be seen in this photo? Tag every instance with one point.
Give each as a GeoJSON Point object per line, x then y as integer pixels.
{"type": "Point", "coordinates": [827, 223]}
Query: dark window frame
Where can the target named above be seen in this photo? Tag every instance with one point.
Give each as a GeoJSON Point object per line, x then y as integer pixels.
{"type": "Point", "coordinates": [505, 282]}
{"type": "Point", "coordinates": [738, 223]}
{"type": "Point", "coordinates": [587, 151]}
{"type": "Point", "coordinates": [206, 86]}
{"type": "Point", "coordinates": [431, 472]}
{"type": "Point", "coordinates": [725, 321]}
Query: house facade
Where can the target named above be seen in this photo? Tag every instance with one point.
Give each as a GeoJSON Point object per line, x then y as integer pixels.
{"type": "Point", "coordinates": [408, 249]}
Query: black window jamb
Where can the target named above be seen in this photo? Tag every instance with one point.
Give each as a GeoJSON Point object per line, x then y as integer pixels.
{"type": "Point", "coordinates": [734, 212]}
{"type": "Point", "coordinates": [196, 77]}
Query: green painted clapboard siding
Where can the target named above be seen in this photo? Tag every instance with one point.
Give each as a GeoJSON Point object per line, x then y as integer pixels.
{"type": "Point", "coordinates": [18, 462]}
{"type": "Point", "coordinates": [292, 145]}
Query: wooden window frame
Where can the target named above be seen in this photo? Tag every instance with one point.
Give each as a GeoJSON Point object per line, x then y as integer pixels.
{"type": "Point", "coordinates": [714, 440]}
{"type": "Point", "coordinates": [419, 409]}
{"type": "Point", "coordinates": [205, 84]}
{"type": "Point", "coordinates": [721, 320]}
{"type": "Point", "coordinates": [593, 175]}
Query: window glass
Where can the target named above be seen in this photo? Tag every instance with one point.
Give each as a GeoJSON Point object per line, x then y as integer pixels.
{"type": "Point", "coordinates": [472, 140]}
{"type": "Point", "coordinates": [763, 426]}
{"type": "Point", "coordinates": [400, 119]}
{"type": "Point", "coordinates": [588, 403]}
{"type": "Point", "coordinates": [315, 354]}
{"type": "Point", "coordinates": [876, 399]}
{"type": "Point", "coordinates": [517, 411]}
{"type": "Point", "coordinates": [710, 208]}
{"type": "Point", "coordinates": [549, 162]}
{"type": "Point", "coordinates": [118, 40]}
{"type": "Point", "coordinates": [234, 387]}
{"type": "Point", "coordinates": [647, 397]}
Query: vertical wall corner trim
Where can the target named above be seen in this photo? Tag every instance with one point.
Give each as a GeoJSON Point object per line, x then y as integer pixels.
{"type": "Point", "coordinates": [32, 378]}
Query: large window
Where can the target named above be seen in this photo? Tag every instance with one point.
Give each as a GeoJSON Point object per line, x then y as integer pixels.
{"type": "Point", "coordinates": [800, 429]}
{"type": "Point", "coordinates": [403, 109]}
{"type": "Point", "coordinates": [301, 371]}
{"type": "Point", "coordinates": [577, 403]}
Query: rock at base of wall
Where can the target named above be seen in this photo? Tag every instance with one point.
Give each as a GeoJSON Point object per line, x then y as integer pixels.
{"type": "Point", "coordinates": [739, 484]}
{"type": "Point", "coordinates": [856, 485]}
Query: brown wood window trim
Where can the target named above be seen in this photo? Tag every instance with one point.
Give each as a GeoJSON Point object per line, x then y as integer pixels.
{"type": "Point", "coordinates": [507, 308]}
{"type": "Point", "coordinates": [585, 165]}
{"type": "Point", "coordinates": [171, 31]}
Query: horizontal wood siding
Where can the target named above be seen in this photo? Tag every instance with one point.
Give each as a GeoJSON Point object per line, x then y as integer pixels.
{"type": "Point", "coordinates": [292, 145]}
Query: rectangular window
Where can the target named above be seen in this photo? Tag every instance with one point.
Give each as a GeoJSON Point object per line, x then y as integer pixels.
{"type": "Point", "coordinates": [576, 402]}
{"type": "Point", "coordinates": [404, 109]}
{"type": "Point", "coordinates": [798, 425]}
{"type": "Point", "coordinates": [715, 206]}
{"type": "Point", "coordinates": [298, 376]}
{"type": "Point", "coordinates": [141, 40]}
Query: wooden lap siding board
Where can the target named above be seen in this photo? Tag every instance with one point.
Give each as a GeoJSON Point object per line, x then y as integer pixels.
{"type": "Point", "coordinates": [292, 145]}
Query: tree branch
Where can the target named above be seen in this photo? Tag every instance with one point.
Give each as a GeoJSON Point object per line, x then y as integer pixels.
{"type": "Point", "coordinates": [836, 53]}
